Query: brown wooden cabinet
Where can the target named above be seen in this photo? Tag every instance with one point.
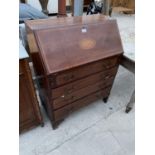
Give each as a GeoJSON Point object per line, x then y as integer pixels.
{"type": "Point", "coordinates": [79, 59]}
{"type": "Point", "coordinates": [29, 112]}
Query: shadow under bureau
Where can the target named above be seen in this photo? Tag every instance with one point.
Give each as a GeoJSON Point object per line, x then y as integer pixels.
{"type": "Point", "coordinates": [78, 62]}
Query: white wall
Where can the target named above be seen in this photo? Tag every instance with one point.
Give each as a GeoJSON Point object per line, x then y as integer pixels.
{"type": "Point", "coordinates": [53, 6]}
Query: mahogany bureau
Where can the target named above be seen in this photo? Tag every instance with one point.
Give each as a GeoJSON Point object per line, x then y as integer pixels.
{"type": "Point", "coordinates": [78, 62]}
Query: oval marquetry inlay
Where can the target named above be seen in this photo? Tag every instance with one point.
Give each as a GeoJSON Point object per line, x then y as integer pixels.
{"type": "Point", "coordinates": [87, 44]}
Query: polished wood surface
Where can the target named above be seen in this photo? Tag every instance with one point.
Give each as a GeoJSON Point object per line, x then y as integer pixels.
{"type": "Point", "coordinates": [39, 24]}
{"type": "Point", "coordinates": [92, 42]}
{"type": "Point", "coordinates": [59, 22]}
{"type": "Point", "coordinates": [29, 112]}
{"type": "Point", "coordinates": [63, 112]}
{"type": "Point", "coordinates": [70, 97]}
{"type": "Point", "coordinates": [78, 72]}
{"type": "Point", "coordinates": [79, 57]}
{"type": "Point", "coordinates": [78, 84]}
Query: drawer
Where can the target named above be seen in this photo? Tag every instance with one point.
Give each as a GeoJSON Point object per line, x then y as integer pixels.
{"type": "Point", "coordinates": [63, 112]}
{"type": "Point", "coordinates": [83, 71]}
{"type": "Point", "coordinates": [74, 86]}
{"type": "Point", "coordinates": [69, 98]}
{"type": "Point", "coordinates": [90, 98]}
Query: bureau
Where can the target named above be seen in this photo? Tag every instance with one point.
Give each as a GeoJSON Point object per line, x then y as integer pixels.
{"type": "Point", "coordinates": [78, 62]}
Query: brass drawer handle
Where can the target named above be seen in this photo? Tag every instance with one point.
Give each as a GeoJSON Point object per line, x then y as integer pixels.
{"type": "Point", "coordinates": [105, 66]}
{"type": "Point", "coordinates": [103, 76]}
{"type": "Point", "coordinates": [68, 77]}
{"type": "Point", "coordinates": [63, 96]}
{"type": "Point", "coordinates": [68, 98]}
{"type": "Point", "coordinates": [68, 92]}
{"type": "Point", "coordinates": [71, 77]}
{"type": "Point", "coordinates": [107, 77]}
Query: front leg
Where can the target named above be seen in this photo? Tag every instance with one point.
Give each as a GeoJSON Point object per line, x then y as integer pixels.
{"type": "Point", "coordinates": [105, 99]}
{"type": "Point", "coordinates": [56, 124]}
{"type": "Point", "coordinates": [131, 103]}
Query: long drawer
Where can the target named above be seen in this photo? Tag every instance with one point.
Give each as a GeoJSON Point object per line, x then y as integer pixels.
{"type": "Point", "coordinates": [83, 71]}
{"type": "Point", "coordinates": [69, 98]}
{"type": "Point", "coordinates": [71, 87]}
{"type": "Point", "coordinates": [61, 113]}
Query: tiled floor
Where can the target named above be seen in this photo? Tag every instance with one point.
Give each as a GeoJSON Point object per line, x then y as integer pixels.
{"type": "Point", "coordinates": [98, 129]}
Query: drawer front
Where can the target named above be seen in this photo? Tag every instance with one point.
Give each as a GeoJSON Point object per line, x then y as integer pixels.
{"type": "Point", "coordinates": [69, 98]}
{"type": "Point", "coordinates": [74, 86]}
{"type": "Point", "coordinates": [83, 71]}
{"type": "Point", "coordinates": [91, 98]}
{"type": "Point", "coordinates": [63, 112]}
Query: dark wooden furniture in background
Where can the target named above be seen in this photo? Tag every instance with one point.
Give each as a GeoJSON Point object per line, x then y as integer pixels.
{"type": "Point", "coordinates": [129, 64]}
{"type": "Point", "coordinates": [74, 71]}
{"type": "Point", "coordinates": [29, 112]}
{"type": "Point", "coordinates": [72, 7]}
{"type": "Point", "coordinates": [62, 8]}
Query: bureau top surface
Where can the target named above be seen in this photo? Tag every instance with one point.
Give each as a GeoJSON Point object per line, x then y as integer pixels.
{"type": "Point", "coordinates": [58, 22]}
{"type": "Point", "coordinates": [67, 47]}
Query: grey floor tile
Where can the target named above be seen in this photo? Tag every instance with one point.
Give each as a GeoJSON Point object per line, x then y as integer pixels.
{"type": "Point", "coordinates": [90, 143]}
{"type": "Point", "coordinates": [122, 128]}
{"type": "Point", "coordinates": [26, 151]}
{"type": "Point", "coordinates": [126, 139]}
{"type": "Point", "coordinates": [72, 126]}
